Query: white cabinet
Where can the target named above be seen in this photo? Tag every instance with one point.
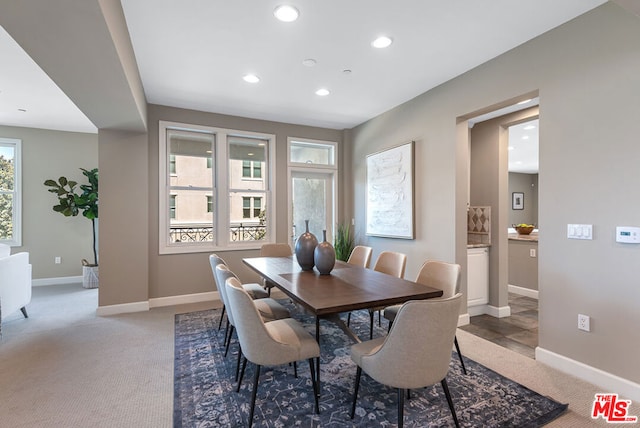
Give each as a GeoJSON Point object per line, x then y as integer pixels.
{"type": "Point", "coordinates": [477, 276]}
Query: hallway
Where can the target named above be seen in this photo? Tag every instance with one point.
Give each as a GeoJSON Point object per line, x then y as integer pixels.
{"type": "Point", "coordinates": [518, 332]}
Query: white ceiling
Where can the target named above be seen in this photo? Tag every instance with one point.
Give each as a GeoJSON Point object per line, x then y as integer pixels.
{"type": "Point", "coordinates": [193, 54]}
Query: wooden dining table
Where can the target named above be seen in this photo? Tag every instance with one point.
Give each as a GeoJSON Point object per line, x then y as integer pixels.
{"type": "Point", "coordinates": [347, 288]}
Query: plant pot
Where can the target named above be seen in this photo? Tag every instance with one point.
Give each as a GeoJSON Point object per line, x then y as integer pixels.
{"type": "Point", "coordinates": [90, 276]}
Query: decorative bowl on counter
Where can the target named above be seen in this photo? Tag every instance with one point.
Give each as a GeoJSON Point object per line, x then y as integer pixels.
{"type": "Point", "coordinates": [524, 229]}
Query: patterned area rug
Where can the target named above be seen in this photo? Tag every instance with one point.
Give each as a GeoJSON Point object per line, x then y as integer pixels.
{"type": "Point", "coordinates": [205, 389]}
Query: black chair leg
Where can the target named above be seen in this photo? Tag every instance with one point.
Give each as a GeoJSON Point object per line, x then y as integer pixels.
{"type": "Point", "coordinates": [443, 382]}
{"type": "Point", "coordinates": [455, 341]}
{"type": "Point", "coordinates": [24, 311]}
{"type": "Point", "coordinates": [253, 394]}
{"type": "Point", "coordinates": [355, 392]}
{"type": "Point", "coordinates": [221, 317]}
{"type": "Point", "coordinates": [370, 325]}
{"type": "Point", "coordinates": [228, 342]}
{"type": "Point", "coordinates": [348, 319]}
{"type": "Point", "coordinates": [238, 363]}
{"type": "Point", "coordinates": [400, 407]}
{"type": "Point", "coordinates": [295, 369]}
{"type": "Point", "coordinates": [316, 393]}
{"type": "Point", "coordinates": [244, 365]}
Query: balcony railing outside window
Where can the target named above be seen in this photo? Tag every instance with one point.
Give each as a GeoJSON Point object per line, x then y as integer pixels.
{"type": "Point", "coordinates": [239, 232]}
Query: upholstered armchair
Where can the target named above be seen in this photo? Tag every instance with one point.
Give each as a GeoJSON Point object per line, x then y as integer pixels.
{"type": "Point", "coordinates": [15, 282]}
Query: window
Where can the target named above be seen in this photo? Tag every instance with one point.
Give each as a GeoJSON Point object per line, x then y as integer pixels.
{"type": "Point", "coordinates": [251, 207]}
{"type": "Point", "coordinates": [172, 206]}
{"type": "Point", "coordinates": [172, 164]}
{"type": "Point", "coordinates": [10, 192]}
{"type": "Point", "coordinates": [312, 153]}
{"type": "Point", "coordinates": [313, 178]}
{"type": "Point", "coordinates": [210, 165]}
{"type": "Point", "coordinates": [251, 169]}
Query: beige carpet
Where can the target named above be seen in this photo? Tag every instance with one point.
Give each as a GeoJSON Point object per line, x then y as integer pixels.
{"type": "Point", "coordinates": [66, 367]}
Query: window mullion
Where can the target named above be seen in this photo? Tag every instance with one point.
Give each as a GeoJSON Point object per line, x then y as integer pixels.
{"type": "Point", "coordinates": [221, 182]}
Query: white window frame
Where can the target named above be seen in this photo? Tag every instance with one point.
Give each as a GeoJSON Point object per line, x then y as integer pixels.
{"type": "Point", "coordinates": [16, 241]}
{"type": "Point", "coordinates": [220, 194]}
{"type": "Point", "coordinates": [297, 168]}
{"type": "Point", "coordinates": [310, 141]}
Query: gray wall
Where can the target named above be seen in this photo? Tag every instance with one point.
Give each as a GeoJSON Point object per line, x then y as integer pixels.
{"type": "Point", "coordinates": [527, 184]}
{"type": "Point", "coordinates": [587, 73]}
{"type": "Point", "coordinates": [45, 233]}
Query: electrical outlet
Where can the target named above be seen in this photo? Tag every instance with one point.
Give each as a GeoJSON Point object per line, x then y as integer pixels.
{"type": "Point", "coordinates": [532, 252]}
{"type": "Point", "coordinates": [583, 322]}
{"type": "Point", "coordinates": [58, 260]}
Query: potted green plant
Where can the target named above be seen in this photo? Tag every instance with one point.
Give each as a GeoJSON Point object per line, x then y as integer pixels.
{"type": "Point", "coordinates": [343, 242]}
{"type": "Point", "coordinates": [71, 203]}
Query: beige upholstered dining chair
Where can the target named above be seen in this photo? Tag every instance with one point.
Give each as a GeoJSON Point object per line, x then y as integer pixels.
{"type": "Point", "coordinates": [391, 263]}
{"type": "Point", "coordinates": [268, 308]}
{"type": "Point", "coordinates": [254, 290]}
{"type": "Point", "coordinates": [443, 276]}
{"type": "Point", "coordinates": [267, 344]}
{"type": "Point", "coordinates": [415, 353]}
{"type": "Point", "coordinates": [274, 250]}
{"type": "Point", "coordinates": [360, 256]}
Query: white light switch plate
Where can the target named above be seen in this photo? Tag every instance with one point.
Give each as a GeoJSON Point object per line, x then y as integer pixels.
{"type": "Point", "coordinates": [580, 231]}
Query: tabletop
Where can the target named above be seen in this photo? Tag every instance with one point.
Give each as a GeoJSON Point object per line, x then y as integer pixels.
{"type": "Point", "coordinates": [346, 288]}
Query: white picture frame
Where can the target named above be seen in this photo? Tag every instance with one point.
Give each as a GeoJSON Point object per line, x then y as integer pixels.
{"type": "Point", "coordinates": [390, 208]}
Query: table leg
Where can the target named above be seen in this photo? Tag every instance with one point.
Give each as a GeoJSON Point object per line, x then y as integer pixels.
{"type": "Point", "coordinates": [318, 361]}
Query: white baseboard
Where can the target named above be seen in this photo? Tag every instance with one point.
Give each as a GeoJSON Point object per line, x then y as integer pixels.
{"type": "Point", "coordinates": [494, 311]}
{"type": "Point", "coordinates": [157, 303]}
{"type": "Point", "coordinates": [184, 299]}
{"type": "Point", "coordinates": [464, 319]}
{"type": "Point", "coordinates": [56, 281]}
{"type": "Point", "coordinates": [609, 382]}
{"type": "Point", "coordinates": [124, 308]}
{"type": "Point", "coordinates": [499, 312]}
{"type": "Point", "coordinates": [527, 292]}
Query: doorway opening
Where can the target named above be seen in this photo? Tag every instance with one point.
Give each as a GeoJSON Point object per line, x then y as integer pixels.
{"type": "Point", "coordinates": [507, 183]}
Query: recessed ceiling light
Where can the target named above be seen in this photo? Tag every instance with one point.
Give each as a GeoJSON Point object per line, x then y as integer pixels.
{"type": "Point", "coordinates": [511, 147]}
{"type": "Point", "coordinates": [529, 127]}
{"type": "Point", "coordinates": [525, 137]}
{"type": "Point", "coordinates": [251, 78]}
{"type": "Point", "coordinates": [381, 42]}
{"type": "Point", "coordinates": [322, 92]}
{"type": "Point", "coordinates": [249, 154]}
{"type": "Point", "coordinates": [309, 62]}
{"type": "Point", "coordinates": [286, 13]}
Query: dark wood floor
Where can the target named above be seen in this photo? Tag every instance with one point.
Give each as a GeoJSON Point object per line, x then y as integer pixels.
{"type": "Point", "coordinates": [518, 332]}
